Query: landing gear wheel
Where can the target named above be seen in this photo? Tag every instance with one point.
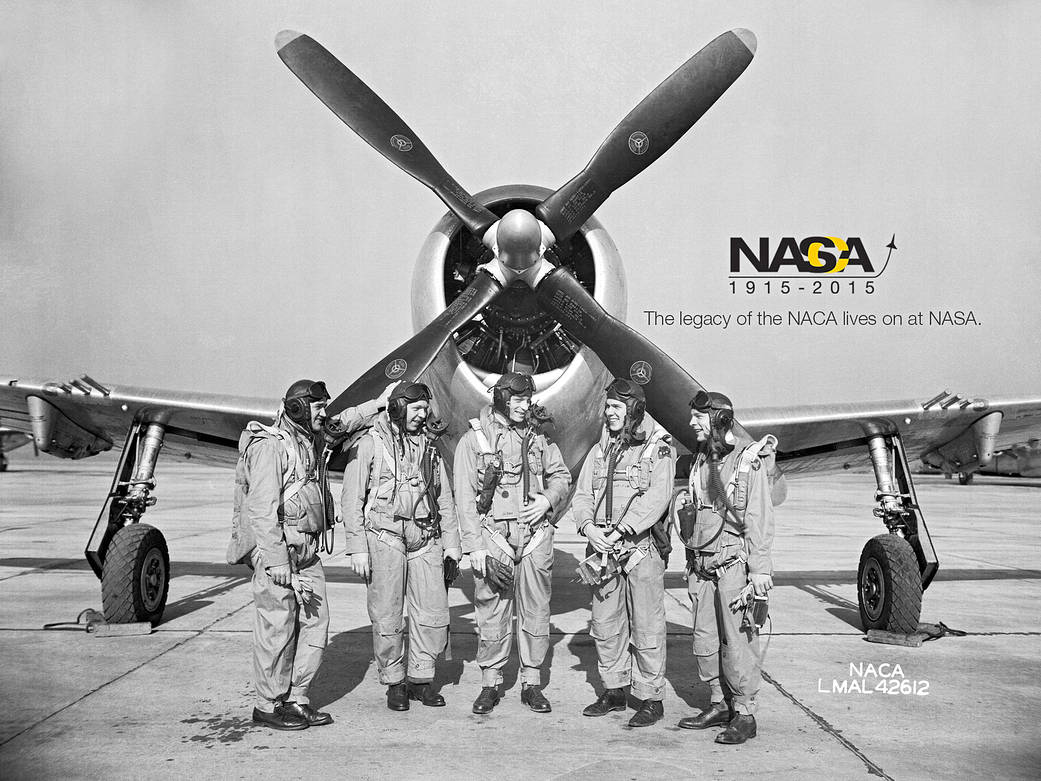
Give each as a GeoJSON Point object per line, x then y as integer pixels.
{"type": "Point", "coordinates": [136, 575]}
{"type": "Point", "coordinates": [889, 585]}
{"type": "Point", "coordinates": [964, 478]}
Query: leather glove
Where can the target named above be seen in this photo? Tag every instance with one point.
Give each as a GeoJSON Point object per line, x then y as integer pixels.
{"type": "Point", "coordinates": [451, 570]}
{"type": "Point", "coordinates": [499, 574]}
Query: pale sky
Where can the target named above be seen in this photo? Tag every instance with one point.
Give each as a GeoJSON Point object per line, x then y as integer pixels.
{"type": "Point", "coordinates": [177, 210]}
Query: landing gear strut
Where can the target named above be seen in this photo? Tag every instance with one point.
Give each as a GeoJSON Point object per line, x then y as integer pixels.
{"type": "Point", "coordinates": [895, 568]}
{"type": "Point", "coordinates": [130, 557]}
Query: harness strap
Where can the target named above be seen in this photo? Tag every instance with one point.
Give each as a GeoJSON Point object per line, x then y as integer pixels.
{"type": "Point", "coordinates": [656, 436]}
{"type": "Point", "coordinates": [500, 541]}
{"type": "Point", "coordinates": [388, 539]}
{"type": "Point", "coordinates": [379, 448]}
{"type": "Point", "coordinates": [420, 551]}
{"type": "Point", "coordinates": [482, 438]}
{"type": "Point", "coordinates": [536, 539]}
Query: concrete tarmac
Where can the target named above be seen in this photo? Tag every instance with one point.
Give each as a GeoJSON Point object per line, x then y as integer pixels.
{"type": "Point", "coordinates": [177, 702]}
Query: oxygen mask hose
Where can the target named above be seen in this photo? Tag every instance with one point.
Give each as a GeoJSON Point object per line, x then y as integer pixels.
{"type": "Point", "coordinates": [525, 467]}
{"type": "Point", "coordinates": [329, 527]}
{"type": "Point", "coordinates": [612, 463]}
{"type": "Point", "coordinates": [718, 493]}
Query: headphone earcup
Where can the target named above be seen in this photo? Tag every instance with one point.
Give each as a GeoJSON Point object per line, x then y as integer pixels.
{"type": "Point", "coordinates": [296, 409]}
{"type": "Point", "coordinates": [639, 408]}
{"type": "Point", "coordinates": [722, 419]}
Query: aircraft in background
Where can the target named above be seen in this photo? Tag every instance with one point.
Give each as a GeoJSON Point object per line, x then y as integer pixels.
{"type": "Point", "coordinates": [1022, 459]}
{"type": "Point", "coordinates": [558, 317]}
{"type": "Point", "coordinates": [11, 439]}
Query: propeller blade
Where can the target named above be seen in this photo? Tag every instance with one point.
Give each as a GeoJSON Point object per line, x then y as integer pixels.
{"type": "Point", "coordinates": [366, 114]}
{"type": "Point", "coordinates": [625, 353]}
{"type": "Point", "coordinates": [649, 130]}
{"type": "Point", "coordinates": [412, 358]}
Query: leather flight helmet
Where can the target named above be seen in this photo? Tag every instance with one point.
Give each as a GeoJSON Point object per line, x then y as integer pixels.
{"type": "Point", "coordinates": [720, 411]}
{"type": "Point", "coordinates": [405, 393]}
{"type": "Point", "coordinates": [631, 394]}
{"type": "Point", "coordinates": [299, 398]}
{"type": "Point", "coordinates": [511, 384]}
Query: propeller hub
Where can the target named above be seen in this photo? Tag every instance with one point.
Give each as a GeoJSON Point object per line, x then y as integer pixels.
{"type": "Point", "coordinates": [518, 240]}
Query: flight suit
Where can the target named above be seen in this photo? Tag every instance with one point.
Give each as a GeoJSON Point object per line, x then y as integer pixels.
{"type": "Point", "coordinates": [528, 549]}
{"type": "Point", "coordinates": [270, 530]}
{"type": "Point", "coordinates": [288, 639]}
{"type": "Point", "coordinates": [718, 573]}
{"type": "Point", "coordinates": [629, 608]}
{"type": "Point", "coordinates": [387, 514]}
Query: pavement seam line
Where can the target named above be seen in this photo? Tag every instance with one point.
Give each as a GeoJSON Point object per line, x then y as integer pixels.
{"type": "Point", "coordinates": [120, 677]}
{"type": "Point", "coordinates": [821, 722]}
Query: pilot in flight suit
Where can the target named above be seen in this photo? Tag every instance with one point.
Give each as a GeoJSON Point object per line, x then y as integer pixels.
{"type": "Point", "coordinates": [728, 529]}
{"type": "Point", "coordinates": [623, 490]}
{"type": "Point", "coordinates": [401, 530]}
{"type": "Point", "coordinates": [282, 507]}
{"type": "Point", "coordinates": [509, 481]}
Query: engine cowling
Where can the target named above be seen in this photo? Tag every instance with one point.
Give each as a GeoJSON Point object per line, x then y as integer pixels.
{"type": "Point", "coordinates": [514, 334]}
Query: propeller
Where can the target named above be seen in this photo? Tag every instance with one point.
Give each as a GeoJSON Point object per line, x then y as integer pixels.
{"type": "Point", "coordinates": [411, 359]}
{"type": "Point", "coordinates": [646, 133]}
{"type": "Point", "coordinates": [625, 353]}
{"type": "Point", "coordinates": [649, 130]}
{"type": "Point", "coordinates": [365, 112]}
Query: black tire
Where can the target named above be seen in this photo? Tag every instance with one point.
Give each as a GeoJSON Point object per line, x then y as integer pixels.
{"type": "Point", "coordinates": [964, 478]}
{"type": "Point", "coordinates": [135, 577]}
{"type": "Point", "coordinates": [889, 585]}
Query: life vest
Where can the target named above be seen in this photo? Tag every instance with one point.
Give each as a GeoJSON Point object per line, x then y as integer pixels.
{"type": "Point", "coordinates": [489, 458]}
{"type": "Point", "coordinates": [751, 459]}
{"type": "Point", "coordinates": [637, 474]}
{"type": "Point", "coordinates": [387, 486]}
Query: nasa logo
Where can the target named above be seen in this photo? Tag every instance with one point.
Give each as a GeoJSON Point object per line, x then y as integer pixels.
{"type": "Point", "coordinates": [396, 368]}
{"type": "Point", "coordinates": [640, 372]}
{"type": "Point", "coordinates": [811, 255]}
{"type": "Point", "coordinates": [639, 143]}
{"type": "Point", "coordinates": [401, 143]}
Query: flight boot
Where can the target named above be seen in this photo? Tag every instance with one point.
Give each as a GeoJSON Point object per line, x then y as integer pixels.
{"type": "Point", "coordinates": [650, 711]}
{"type": "Point", "coordinates": [533, 697]}
{"type": "Point", "coordinates": [486, 700]}
{"type": "Point", "coordinates": [279, 719]}
{"type": "Point", "coordinates": [425, 695]}
{"type": "Point", "coordinates": [740, 729]}
{"type": "Point", "coordinates": [397, 696]}
{"type": "Point", "coordinates": [715, 715]}
{"type": "Point", "coordinates": [610, 700]}
{"type": "Point", "coordinates": [314, 718]}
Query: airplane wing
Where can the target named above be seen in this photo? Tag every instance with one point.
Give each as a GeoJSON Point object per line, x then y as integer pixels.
{"type": "Point", "coordinates": [82, 417]}
{"type": "Point", "coordinates": [958, 437]}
